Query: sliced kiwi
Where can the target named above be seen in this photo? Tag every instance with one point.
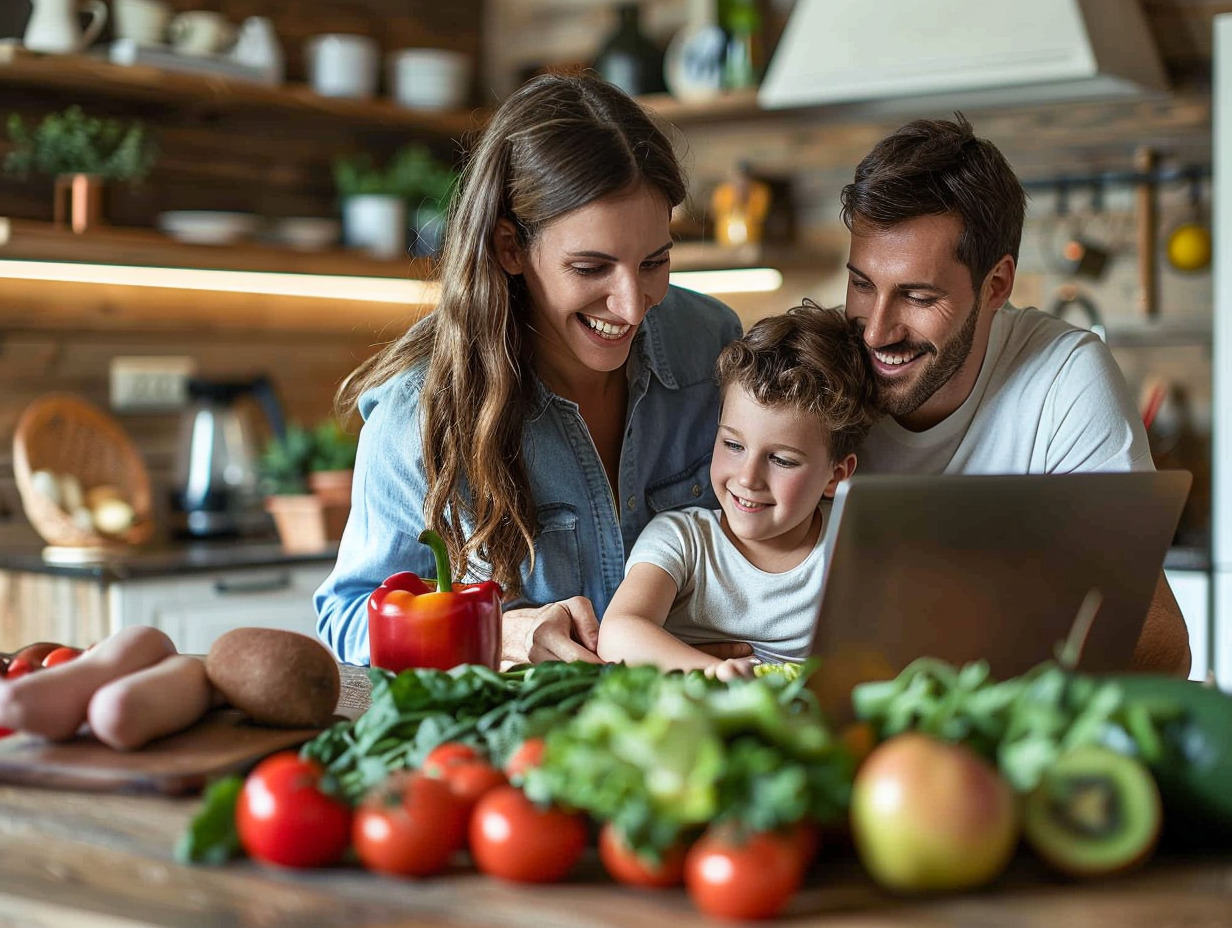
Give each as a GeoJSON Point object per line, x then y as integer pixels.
{"type": "Point", "coordinates": [1095, 812]}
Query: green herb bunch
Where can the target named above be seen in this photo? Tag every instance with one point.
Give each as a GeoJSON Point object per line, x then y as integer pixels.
{"type": "Point", "coordinates": [413, 174]}
{"type": "Point", "coordinates": [662, 755]}
{"type": "Point", "coordinates": [414, 711]}
{"type": "Point", "coordinates": [1022, 724]}
{"type": "Point", "coordinates": [70, 142]}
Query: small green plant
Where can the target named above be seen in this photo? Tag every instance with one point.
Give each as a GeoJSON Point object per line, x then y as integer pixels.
{"type": "Point", "coordinates": [413, 174]}
{"type": "Point", "coordinates": [70, 142]}
{"type": "Point", "coordinates": [285, 464]}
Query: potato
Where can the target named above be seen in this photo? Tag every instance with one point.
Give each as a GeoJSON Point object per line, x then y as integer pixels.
{"type": "Point", "coordinates": [276, 677]}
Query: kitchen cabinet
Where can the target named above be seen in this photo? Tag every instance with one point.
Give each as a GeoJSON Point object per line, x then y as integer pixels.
{"type": "Point", "coordinates": [194, 611]}
{"type": "Point", "coordinates": [192, 592]}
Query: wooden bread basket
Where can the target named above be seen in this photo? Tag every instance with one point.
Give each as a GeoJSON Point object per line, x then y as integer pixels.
{"type": "Point", "coordinates": [65, 434]}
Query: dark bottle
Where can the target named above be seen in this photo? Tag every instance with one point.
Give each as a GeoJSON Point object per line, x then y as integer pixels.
{"type": "Point", "coordinates": [628, 58]}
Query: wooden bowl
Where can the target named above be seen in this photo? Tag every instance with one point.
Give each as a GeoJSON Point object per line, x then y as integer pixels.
{"type": "Point", "coordinates": [65, 434]}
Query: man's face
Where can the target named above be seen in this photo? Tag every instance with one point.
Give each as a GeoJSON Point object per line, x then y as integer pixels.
{"type": "Point", "coordinates": [918, 315]}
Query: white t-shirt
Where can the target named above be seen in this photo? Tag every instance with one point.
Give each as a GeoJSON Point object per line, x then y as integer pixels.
{"type": "Point", "coordinates": [721, 596]}
{"type": "Point", "coordinates": [1049, 399]}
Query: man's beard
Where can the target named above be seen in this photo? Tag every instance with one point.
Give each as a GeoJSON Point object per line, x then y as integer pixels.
{"type": "Point", "coordinates": [902, 399]}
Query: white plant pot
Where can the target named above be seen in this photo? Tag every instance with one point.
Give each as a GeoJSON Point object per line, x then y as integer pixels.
{"type": "Point", "coordinates": [376, 223]}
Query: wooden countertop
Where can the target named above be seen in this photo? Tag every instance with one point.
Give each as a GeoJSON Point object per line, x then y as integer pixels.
{"type": "Point", "coordinates": [73, 859]}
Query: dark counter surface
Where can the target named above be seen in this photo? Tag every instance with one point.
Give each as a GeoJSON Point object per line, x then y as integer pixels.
{"type": "Point", "coordinates": [164, 560]}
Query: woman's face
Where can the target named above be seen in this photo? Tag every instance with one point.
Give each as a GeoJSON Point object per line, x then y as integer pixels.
{"type": "Point", "coordinates": [592, 275]}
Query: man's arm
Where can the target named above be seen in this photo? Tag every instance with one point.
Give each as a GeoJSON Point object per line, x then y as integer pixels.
{"type": "Point", "coordinates": [1163, 646]}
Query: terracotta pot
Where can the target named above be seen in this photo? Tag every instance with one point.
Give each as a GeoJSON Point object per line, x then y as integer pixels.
{"type": "Point", "coordinates": [79, 201]}
{"type": "Point", "coordinates": [332, 487]}
{"type": "Point", "coordinates": [305, 524]}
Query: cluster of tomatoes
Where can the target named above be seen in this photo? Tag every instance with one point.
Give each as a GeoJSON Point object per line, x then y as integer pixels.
{"type": "Point", "coordinates": [414, 823]}
{"type": "Point", "coordinates": [35, 657]}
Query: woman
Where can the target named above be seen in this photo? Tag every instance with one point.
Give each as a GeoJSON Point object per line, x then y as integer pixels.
{"type": "Point", "coordinates": [560, 394]}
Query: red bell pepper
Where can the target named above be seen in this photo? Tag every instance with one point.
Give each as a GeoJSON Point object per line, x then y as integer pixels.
{"type": "Point", "coordinates": [412, 623]}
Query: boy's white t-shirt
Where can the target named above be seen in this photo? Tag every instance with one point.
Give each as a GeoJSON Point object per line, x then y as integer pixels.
{"type": "Point", "coordinates": [722, 597]}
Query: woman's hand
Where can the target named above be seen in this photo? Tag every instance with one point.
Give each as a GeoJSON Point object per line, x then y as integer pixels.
{"type": "Point", "coordinates": [562, 631]}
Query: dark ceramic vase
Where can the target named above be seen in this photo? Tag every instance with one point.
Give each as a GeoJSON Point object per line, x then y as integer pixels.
{"type": "Point", "coordinates": [628, 58]}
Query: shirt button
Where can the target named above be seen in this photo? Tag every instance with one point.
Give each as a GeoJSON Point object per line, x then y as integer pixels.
{"type": "Point", "coordinates": [632, 503]}
{"type": "Point", "coordinates": [697, 490]}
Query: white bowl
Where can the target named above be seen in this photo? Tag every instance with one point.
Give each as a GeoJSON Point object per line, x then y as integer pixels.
{"type": "Point", "coordinates": [207, 227]}
{"type": "Point", "coordinates": [429, 78]}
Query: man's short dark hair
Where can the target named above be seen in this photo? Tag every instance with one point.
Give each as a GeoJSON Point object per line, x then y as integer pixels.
{"type": "Point", "coordinates": [934, 166]}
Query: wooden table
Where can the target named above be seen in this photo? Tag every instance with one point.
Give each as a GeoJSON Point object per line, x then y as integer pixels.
{"type": "Point", "coordinates": [75, 859]}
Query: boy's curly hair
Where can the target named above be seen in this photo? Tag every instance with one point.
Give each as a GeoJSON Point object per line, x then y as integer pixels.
{"type": "Point", "coordinates": [810, 359]}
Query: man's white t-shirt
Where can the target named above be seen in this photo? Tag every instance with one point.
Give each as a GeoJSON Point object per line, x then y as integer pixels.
{"type": "Point", "coordinates": [721, 596]}
{"type": "Point", "coordinates": [1049, 399]}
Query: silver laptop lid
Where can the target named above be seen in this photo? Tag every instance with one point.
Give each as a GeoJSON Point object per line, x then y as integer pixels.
{"type": "Point", "coordinates": [992, 567]}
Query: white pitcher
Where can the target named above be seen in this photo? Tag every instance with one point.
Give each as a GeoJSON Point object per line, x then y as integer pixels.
{"type": "Point", "coordinates": [54, 26]}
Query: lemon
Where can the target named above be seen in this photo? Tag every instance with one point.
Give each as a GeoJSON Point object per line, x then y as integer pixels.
{"type": "Point", "coordinates": [1189, 247]}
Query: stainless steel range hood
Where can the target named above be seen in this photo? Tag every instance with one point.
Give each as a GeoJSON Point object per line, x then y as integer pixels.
{"type": "Point", "coordinates": [975, 52]}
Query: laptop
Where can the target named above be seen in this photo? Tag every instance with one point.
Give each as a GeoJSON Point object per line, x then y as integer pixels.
{"type": "Point", "coordinates": [988, 567]}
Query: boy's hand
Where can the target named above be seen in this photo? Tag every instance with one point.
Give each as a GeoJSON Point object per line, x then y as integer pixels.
{"type": "Point", "coordinates": [735, 668]}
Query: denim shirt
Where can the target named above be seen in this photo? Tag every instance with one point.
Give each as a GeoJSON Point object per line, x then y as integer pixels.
{"type": "Point", "coordinates": [583, 533]}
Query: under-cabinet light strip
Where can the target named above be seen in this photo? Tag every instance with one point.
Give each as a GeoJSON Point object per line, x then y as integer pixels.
{"type": "Point", "coordinates": [364, 289]}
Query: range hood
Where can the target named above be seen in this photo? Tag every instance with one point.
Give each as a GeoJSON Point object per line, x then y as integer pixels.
{"type": "Point", "coordinates": [973, 52]}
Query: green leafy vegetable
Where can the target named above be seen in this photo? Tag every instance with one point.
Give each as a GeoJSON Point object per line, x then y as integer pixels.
{"type": "Point", "coordinates": [663, 754]}
{"type": "Point", "coordinates": [414, 711]}
{"type": "Point", "coordinates": [1022, 724]}
{"type": "Point", "coordinates": [211, 836]}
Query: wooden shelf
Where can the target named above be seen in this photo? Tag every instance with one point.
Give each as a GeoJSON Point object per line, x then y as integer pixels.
{"type": "Point", "coordinates": [710, 256]}
{"type": "Point", "coordinates": [738, 104]}
{"type": "Point", "coordinates": [29, 240]}
{"type": "Point", "coordinates": [20, 67]}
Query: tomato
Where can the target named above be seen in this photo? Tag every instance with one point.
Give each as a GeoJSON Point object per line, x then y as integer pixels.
{"type": "Point", "coordinates": [284, 818]}
{"type": "Point", "coordinates": [529, 754]}
{"type": "Point", "coordinates": [470, 780]}
{"type": "Point", "coordinates": [626, 866]}
{"type": "Point", "coordinates": [514, 839]}
{"type": "Point", "coordinates": [410, 825]}
{"type": "Point", "coordinates": [752, 877]}
{"type": "Point", "coordinates": [446, 755]}
{"type": "Point", "coordinates": [60, 656]}
{"type": "Point", "coordinates": [18, 667]}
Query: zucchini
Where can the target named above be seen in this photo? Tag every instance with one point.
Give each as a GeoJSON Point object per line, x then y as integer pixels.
{"type": "Point", "coordinates": [1194, 769]}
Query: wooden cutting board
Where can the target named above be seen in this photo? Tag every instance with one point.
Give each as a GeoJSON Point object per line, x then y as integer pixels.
{"type": "Point", "coordinates": [223, 742]}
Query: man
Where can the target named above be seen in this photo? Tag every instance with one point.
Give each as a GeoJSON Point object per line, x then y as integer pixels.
{"type": "Point", "coordinates": [971, 384]}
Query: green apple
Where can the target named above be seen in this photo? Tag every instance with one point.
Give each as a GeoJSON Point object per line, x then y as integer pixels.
{"type": "Point", "coordinates": [931, 816]}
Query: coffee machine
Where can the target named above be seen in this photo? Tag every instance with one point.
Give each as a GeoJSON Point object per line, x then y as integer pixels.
{"type": "Point", "coordinates": [214, 490]}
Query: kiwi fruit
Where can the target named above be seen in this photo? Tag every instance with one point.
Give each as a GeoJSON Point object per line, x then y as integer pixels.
{"type": "Point", "coordinates": [276, 677]}
{"type": "Point", "coordinates": [1095, 812]}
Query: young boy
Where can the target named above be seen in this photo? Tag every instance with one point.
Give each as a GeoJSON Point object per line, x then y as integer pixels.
{"type": "Point", "coordinates": [796, 402]}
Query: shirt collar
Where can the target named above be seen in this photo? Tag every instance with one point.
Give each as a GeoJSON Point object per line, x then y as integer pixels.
{"type": "Point", "coordinates": [648, 351]}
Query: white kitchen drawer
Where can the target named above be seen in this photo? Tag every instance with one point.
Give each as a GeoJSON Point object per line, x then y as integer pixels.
{"type": "Point", "coordinates": [195, 609]}
{"type": "Point", "coordinates": [1192, 589]}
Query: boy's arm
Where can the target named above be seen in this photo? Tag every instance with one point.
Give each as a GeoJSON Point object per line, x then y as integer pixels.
{"type": "Point", "coordinates": [632, 628]}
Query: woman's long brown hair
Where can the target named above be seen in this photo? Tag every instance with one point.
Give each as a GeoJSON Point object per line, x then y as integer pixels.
{"type": "Point", "coordinates": [556, 144]}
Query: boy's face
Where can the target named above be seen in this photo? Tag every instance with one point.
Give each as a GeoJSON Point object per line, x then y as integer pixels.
{"type": "Point", "coordinates": [771, 467]}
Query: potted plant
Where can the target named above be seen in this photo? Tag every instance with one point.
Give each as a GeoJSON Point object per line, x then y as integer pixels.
{"type": "Point", "coordinates": [81, 153]}
{"type": "Point", "coordinates": [376, 199]}
{"type": "Point", "coordinates": [306, 477]}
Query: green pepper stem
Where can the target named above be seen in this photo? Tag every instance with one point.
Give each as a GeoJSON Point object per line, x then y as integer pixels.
{"type": "Point", "coordinates": [434, 541]}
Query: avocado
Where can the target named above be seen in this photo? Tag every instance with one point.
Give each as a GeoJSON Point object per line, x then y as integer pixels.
{"type": "Point", "coordinates": [1094, 812]}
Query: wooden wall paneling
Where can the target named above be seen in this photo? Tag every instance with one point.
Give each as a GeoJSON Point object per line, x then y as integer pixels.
{"type": "Point", "coordinates": [44, 607]}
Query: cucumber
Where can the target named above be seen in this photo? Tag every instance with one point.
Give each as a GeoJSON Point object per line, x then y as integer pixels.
{"type": "Point", "coordinates": [1194, 770]}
